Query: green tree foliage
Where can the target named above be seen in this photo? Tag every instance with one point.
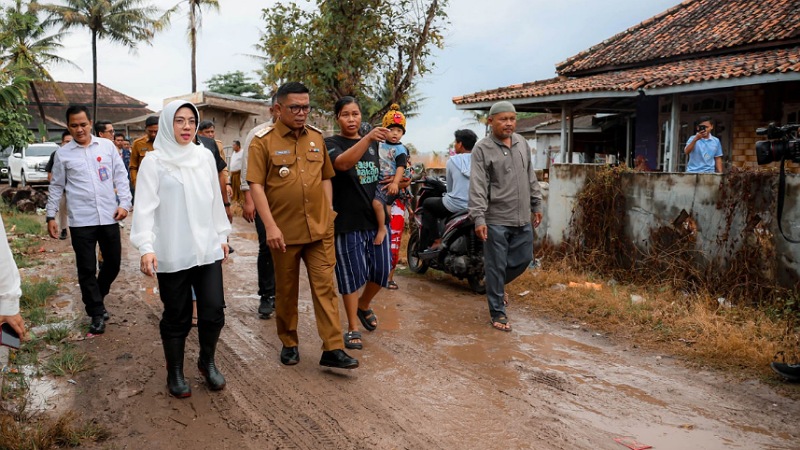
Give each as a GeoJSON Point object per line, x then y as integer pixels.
{"type": "Point", "coordinates": [13, 86]}
{"type": "Point", "coordinates": [29, 49]}
{"type": "Point", "coordinates": [14, 126]}
{"type": "Point", "coordinates": [235, 83]}
{"type": "Point", "coordinates": [126, 22]}
{"type": "Point", "coordinates": [356, 47]}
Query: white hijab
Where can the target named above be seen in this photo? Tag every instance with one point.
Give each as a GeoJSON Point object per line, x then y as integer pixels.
{"type": "Point", "coordinates": [192, 163]}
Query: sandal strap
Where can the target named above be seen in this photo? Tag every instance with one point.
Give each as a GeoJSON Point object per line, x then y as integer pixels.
{"type": "Point", "coordinates": [352, 335]}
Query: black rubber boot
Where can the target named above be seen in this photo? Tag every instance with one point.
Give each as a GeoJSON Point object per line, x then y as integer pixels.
{"type": "Point", "coordinates": [208, 347]}
{"type": "Point", "coordinates": [176, 383]}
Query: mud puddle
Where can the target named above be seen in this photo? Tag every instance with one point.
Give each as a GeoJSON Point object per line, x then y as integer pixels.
{"type": "Point", "coordinates": [434, 375]}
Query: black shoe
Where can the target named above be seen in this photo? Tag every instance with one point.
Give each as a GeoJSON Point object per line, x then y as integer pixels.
{"type": "Point", "coordinates": [789, 371]}
{"type": "Point", "coordinates": [231, 250]}
{"type": "Point", "coordinates": [98, 326]}
{"type": "Point", "coordinates": [63, 234]}
{"type": "Point", "coordinates": [106, 316]}
{"type": "Point", "coordinates": [290, 356]}
{"type": "Point", "coordinates": [266, 307]}
{"type": "Point", "coordinates": [338, 359]}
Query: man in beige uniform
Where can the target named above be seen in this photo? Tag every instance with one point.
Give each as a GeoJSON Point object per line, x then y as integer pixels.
{"type": "Point", "coordinates": [289, 174]}
{"type": "Point", "coordinates": [141, 146]}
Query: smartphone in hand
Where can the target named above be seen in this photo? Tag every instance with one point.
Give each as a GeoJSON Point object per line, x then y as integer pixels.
{"type": "Point", "coordinates": [8, 336]}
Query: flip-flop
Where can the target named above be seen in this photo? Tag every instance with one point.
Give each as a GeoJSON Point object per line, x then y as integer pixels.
{"type": "Point", "coordinates": [348, 340]}
{"type": "Point", "coordinates": [392, 286]}
{"type": "Point", "coordinates": [366, 316]}
{"type": "Point", "coordinates": [501, 323]}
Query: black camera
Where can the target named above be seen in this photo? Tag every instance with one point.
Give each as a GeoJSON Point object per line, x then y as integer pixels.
{"type": "Point", "coordinates": [782, 144]}
{"type": "Point", "coordinates": [701, 128]}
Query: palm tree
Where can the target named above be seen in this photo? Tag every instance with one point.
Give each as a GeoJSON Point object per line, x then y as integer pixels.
{"type": "Point", "coordinates": [479, 117]}
{"type": "Point", "coordinates": [28, 49]}
{"type": "Point", "coordinates": [12, 90]}
{"type": "Point", "coordinates": [128, 22]}
{"type": "Point", "coordinates": [195, 23]}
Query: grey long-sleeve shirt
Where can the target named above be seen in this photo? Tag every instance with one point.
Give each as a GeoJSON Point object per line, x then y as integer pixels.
{"type": "Point", "coordinates": [503, 189]}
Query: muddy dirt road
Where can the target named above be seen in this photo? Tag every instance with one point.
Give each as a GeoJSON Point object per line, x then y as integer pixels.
{"type": "Point", "coordinates": [434, 375]}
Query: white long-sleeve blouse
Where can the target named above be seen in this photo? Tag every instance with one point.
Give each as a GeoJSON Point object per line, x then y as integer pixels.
{"type": "Point", "coordinates": [161, 222]}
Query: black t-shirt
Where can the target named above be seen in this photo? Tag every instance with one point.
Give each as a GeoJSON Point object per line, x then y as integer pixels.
{"type": "Point", "coordinates": [49, 167]}
{"type": "Point", "coordinates": [211, 145]}
{"type": "Point", "coordinates": [354, 189]}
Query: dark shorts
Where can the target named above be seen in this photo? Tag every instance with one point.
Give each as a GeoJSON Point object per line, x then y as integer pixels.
{"type": "Point", "coordinates": [358, 260]}
{"type": "Point", "coordinates": [382, 195]}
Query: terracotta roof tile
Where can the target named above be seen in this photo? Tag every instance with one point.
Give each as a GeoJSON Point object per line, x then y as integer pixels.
{"type": "Point", "coordinates": [693, 27]}
{"type": "Point", "coordinates": [673, 73]}
{"type": "Point", "coordinates": [111, 105]}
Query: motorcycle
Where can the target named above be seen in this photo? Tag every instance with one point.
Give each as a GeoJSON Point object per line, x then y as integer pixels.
{"type": "Point", "coordinates": [460, 253]}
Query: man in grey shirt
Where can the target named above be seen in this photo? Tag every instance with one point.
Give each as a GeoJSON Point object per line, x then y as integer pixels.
{"type": "Point", "coordinates": [503, 194]}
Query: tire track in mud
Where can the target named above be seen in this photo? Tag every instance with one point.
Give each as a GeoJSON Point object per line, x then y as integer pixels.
{"type": "Point", "coordinates": [304, 406]}
{"type": "Point", "coordinates": [434, 375]}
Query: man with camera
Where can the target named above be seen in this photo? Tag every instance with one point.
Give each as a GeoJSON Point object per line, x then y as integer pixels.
{"type": "Point", "coordinates": [704, 150]}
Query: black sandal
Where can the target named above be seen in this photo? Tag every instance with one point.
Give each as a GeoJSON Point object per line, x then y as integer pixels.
{"type": "Point", "coordinates": [348, 340]}
{"type": "Point", "coordinates": [392, 286]}
{"type": "Point", "coordinates": [367, 317]}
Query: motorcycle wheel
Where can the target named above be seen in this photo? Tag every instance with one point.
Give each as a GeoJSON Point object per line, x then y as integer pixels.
{"type": "Point", "coordinates": [477, 284]}
{"type": "Point", "coordinates": [414, 263]}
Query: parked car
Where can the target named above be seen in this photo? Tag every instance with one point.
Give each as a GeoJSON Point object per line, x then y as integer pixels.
{"type": "Point", "coordinates": [4, 154]}
{"type": "Point", "coordinates": [27, 166]}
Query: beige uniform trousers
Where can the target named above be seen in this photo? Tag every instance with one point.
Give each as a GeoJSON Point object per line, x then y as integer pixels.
{"type": "Point", "coordinates": [319, 258]}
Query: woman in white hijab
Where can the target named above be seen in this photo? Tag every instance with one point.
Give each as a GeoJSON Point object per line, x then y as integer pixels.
{"type": "Point", "coordinates": [180, 229]}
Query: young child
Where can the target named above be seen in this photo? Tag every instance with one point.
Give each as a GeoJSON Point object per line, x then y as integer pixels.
{"type": "Point", "coordinates": [393, 159]}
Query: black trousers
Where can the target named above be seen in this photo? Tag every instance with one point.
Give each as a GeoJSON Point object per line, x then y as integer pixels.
{"type": "Point", "coordinates": [94, 285]}
{"type": "Point", "coordinates": [176, 295]}
{"type": "Point", "coordinates": [264, 265]}
{"type": "Point", "coordinates": [433, 209]}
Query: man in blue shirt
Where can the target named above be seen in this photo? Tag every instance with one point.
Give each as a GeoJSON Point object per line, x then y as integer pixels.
{"type": "Point", "coordinates": [457, 196]}
{"type": "Point", "coordinates": [704, 150]}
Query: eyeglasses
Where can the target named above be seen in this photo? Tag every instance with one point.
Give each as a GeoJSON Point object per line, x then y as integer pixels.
{"type": "Point", "coordinates": [180, 121]}
{"type": "Point", "coordinates": [295, 109]}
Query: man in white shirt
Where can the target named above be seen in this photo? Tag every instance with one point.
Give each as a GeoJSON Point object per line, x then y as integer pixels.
{"type": "Point", "coordinates": [236, 172]}
{"type": "Point", "coordinates": [88, 169]}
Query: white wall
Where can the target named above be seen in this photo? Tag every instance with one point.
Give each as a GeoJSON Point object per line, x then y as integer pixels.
{"type": "Point", "coordinates": [657, 199]}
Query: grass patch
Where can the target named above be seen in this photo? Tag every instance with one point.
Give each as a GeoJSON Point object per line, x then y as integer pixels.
{"type": "Point", "coordinates": [35, 316]}
{"type": "Point", "coordinates": [36, 292]}
{"type": "Point", "coordinates": [23, 224]}
{"type": "Point", "coordinates": [694, 326]}
{"type": "Point", "coordinates": [56, 334]}
{"type": "Point", "coordinates": [40, 433]}
{"type": "Point", "coordinates": [25, 232]}
{"type": "Point", "coordinates": [68, 361]}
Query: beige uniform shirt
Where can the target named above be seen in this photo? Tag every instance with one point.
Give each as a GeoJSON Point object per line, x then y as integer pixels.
{"type": "Point", "coordinates": [292, 170]}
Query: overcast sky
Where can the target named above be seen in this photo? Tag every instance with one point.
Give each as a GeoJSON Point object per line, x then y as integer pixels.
{"type": "Point", "coordinates": [487, 45]}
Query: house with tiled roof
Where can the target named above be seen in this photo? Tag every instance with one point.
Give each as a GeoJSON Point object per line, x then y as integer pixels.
{"type": "Point", "coordinates": [56, 97]}
{"type": "Point", "coordinates": [737, 61]}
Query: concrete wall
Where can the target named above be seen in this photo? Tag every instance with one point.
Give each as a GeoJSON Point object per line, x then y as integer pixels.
{"type": "Point", "coordinates": [657, 199]}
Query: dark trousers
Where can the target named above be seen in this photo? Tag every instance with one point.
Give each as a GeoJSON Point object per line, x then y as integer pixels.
{"type": "Point", "coordinates": [176, 295]}
{"type": "Point", "coordinates": [94, 285]}
{"type": "Point", "coordinates": [433, 209]}
{"type": "Point", "coordinates": [264, 265]}
{"type": "Point", "coordinates": [506, 254]}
